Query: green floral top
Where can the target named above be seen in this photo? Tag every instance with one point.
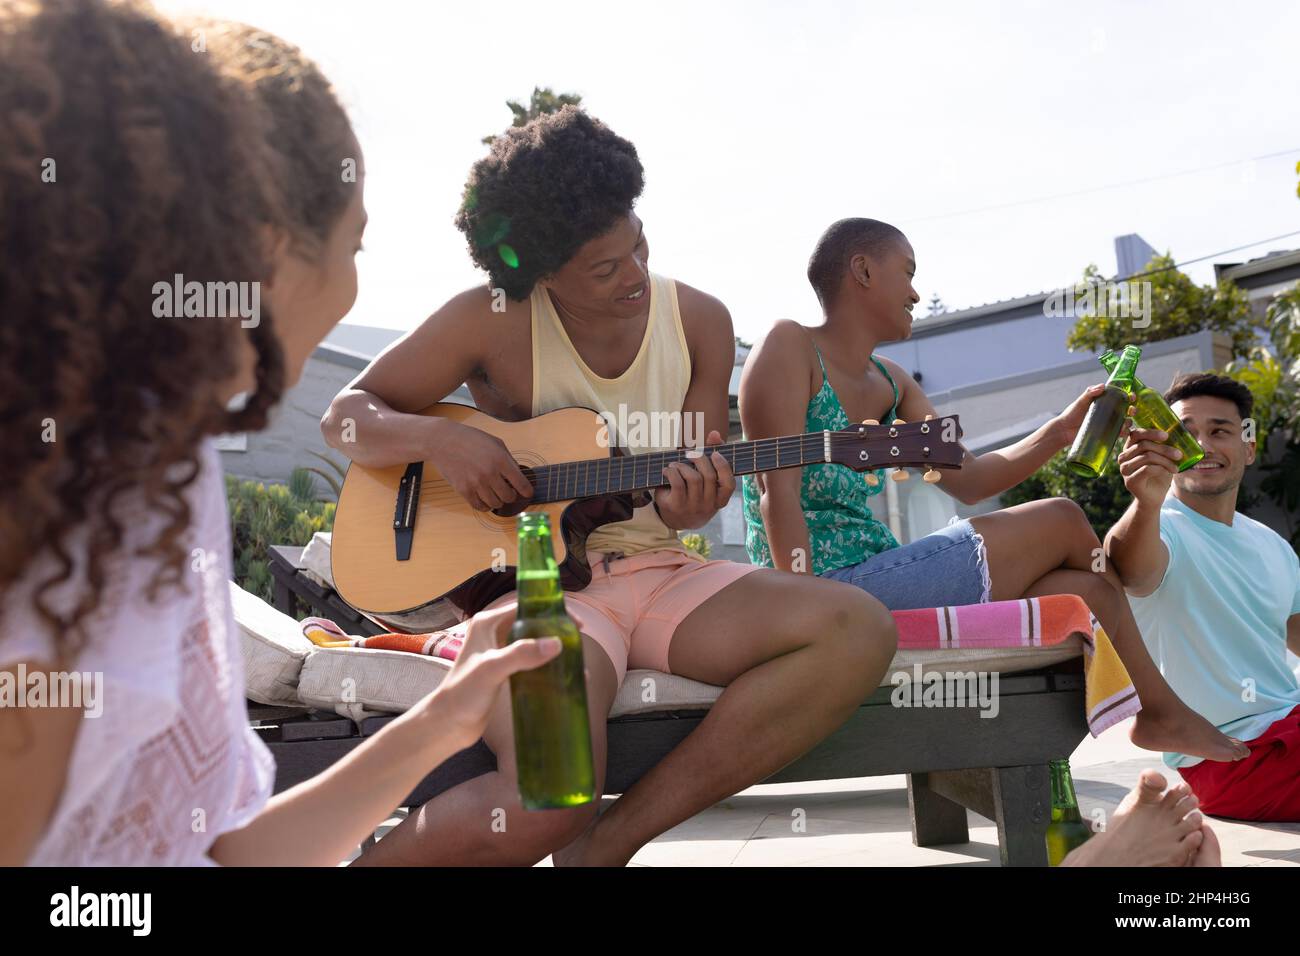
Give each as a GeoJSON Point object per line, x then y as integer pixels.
{"type": "Point", "coordinates": [841, 528]}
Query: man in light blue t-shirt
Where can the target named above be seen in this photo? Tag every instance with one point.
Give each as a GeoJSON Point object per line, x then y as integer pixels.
{"type": "Point", "coordinates": [1217, 597]}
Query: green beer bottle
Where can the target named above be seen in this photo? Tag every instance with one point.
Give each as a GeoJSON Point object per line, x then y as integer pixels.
{"type": "Point", "coordinates": [552, 732]}
{"type": "Point", "coordinates": [1067, 829]}
{"type": "Point", "coordinates": [1152, 411]}
{"type": "Point", "coordinates": [1090, 453]}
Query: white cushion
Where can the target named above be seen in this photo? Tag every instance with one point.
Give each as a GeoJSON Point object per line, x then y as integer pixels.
{"type": "Point", "coordinates": [315, 559]}
{"type": "Point", "coordinates": [358, 681]}
{"type": "Point", "coordinates": [274, 649]}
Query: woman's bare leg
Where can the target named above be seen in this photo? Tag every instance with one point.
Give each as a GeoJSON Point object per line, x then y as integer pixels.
{"type": "Point", "coordinates": [1048, 547]}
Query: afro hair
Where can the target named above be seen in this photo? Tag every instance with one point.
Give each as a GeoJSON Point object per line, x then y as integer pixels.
{"type": "Point", "coordinates": [545, 190]}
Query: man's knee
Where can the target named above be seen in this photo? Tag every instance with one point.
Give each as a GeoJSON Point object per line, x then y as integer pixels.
{"type": "Point", "coordinates": [858, 626]}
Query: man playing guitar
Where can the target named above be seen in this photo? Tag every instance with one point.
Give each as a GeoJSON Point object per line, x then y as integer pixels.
{"type": "Point", "coordinates": [573, 316]}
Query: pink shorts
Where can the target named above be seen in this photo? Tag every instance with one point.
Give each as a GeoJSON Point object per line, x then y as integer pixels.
{"type": "Point", "coordinates": [633, 609]}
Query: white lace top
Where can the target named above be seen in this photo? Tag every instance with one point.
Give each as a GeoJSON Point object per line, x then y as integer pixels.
{"type": "Point", "coordinates": [171, 763]}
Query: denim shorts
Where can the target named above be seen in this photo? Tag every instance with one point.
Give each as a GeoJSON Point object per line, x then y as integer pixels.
{"type": "Point", "coordinates": [947, 567]}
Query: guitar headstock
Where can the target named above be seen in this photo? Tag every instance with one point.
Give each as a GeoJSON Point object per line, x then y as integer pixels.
{"type": "Point", "coordinates": [932, 444]}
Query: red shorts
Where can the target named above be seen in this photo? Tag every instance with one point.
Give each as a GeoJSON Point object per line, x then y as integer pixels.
{"type": "Point", "coordinates": [1264, 786]}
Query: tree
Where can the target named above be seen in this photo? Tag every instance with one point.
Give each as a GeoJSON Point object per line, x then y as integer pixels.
{"type": "Point", "coordinates": [1274, 380]}
{"type": "Point", "coordinates": [936, 306]}
{"type": "Point", "coordinates": [1178, 306]}
{"type": "Point", "coordinates": [544, 100]}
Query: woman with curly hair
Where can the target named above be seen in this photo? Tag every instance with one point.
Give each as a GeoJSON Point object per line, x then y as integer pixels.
{"type": "Point", "coordinates": [132, 165]}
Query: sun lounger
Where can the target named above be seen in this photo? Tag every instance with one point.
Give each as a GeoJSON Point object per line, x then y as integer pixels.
{"type": "Point", "coordinates": [953, 758]}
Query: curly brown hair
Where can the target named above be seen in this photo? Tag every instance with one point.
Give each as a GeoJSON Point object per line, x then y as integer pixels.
{"type": "Point", "coordinates": [310, 130]}
{"type": "Point", "coordinates": [545, 190]}
{"type": "Point", "coordinates": [125, 159]}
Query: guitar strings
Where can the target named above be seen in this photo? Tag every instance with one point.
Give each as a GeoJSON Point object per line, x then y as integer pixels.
{"type": "Point", "coordinates": [762, 446]}
{"type": "Point", "coordinates": [575, 473]}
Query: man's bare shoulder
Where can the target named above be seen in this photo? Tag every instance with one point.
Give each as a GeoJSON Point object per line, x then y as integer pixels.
{"type": "Point", "coordinates": [700, 308]}
{"type": "Point", "coordinates": [706, 323]}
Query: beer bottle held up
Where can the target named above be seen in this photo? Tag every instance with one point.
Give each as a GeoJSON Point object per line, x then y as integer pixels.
{"type": "Point", "coordinates": [549, 703]}
{"type": "Point", "coordinates": [1152, 411]}
{"type": "Point", "coordinates": [1090, 453]}
{"type": "Point", "coordinates": [1066, 829]}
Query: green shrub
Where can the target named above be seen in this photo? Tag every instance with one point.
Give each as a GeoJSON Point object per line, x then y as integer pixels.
{"type": "Point", "coordinates": [262, 515]}
{"type": "Point", "coordinates": [697, 543]}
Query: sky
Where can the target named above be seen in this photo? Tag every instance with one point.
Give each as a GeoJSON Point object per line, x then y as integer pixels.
{"type": "Point", "coordinates": [759, 124]}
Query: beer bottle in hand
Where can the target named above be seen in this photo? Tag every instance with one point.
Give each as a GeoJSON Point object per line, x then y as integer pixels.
{"type": "Point", "coordinates": [1090, 453]}
{"type": "Point", "coordinates": [1066, 829]}
{"type": "Point", "coordinates": [1152, 411]}
{"type": "Point", "coordinates": [552, 732]}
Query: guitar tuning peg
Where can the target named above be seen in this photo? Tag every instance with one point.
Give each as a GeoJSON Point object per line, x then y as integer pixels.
{"type": "Point", "coordinates": [932, 475]}
{"type": "Point", "coordinates": [899, 474]}
{"type": "Point", "coordinates": [898, 421]}
{"type": "Point", "coordinates": [870, 421]}
{"type": "Point", "coordinates": [871, 478]}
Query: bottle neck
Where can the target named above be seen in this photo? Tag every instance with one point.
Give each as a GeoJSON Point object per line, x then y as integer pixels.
{"type": "Point", "coordinates": [1125, 370]}
{"type": "Point", "coordinates": [1110, 361]}
{"type": "Point", "coordinates": [1064, 803]}
{"type": "Point", "coordinates": [537, 578]}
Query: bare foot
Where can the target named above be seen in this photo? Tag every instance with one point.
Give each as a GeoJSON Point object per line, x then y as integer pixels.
{"type": "Point", "coordinates": [1209, 853]}
{"type": "Point", "coordinates": [1185, 732]}
{"type": "Point", "coordinates": [1151, 827]}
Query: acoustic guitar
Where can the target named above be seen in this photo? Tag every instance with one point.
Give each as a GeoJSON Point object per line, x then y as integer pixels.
{"type": "Point", "coordinates": [405, 541]}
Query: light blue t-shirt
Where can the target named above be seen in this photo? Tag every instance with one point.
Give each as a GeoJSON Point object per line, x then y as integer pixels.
{"type": "Point", "coordinates": [1216, 625]}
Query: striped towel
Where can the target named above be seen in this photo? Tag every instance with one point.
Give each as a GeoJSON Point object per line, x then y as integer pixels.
{"type": "Point", "coordinates": [444, 644]}
{"type": "Point", "coordinates": [1031, 622]}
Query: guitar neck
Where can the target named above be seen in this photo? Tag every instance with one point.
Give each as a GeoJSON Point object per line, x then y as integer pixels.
{"type": "Point", "coordinates": [633, 473]}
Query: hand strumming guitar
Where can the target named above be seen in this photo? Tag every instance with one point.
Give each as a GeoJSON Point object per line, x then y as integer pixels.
{"type": "Point", "coordinates": [479, 467]}
{"type": "Point", "coordinates": [697, 490]}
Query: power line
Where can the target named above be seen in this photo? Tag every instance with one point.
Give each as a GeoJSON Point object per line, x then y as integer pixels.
{"type": "Point", "coordinates": [1212, 255]}
{"type": "Point", "coordinates": [1096, 189]}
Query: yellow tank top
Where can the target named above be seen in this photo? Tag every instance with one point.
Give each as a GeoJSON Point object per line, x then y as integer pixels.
{"type": "Point", "coordinates": [647, 397]}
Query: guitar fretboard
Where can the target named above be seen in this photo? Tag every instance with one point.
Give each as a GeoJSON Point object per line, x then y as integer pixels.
{"type": "Point", "coordinates": [631, 473]}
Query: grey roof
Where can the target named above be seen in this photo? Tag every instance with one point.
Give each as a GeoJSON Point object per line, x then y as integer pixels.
{"type": "Point", "coordinates": [928, 325]}
{"type": "Point", "coordinates": [1277, 260]}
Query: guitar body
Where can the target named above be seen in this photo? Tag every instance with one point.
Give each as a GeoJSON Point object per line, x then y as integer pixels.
{"type": "Point", "coordinates": [465, 557]}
